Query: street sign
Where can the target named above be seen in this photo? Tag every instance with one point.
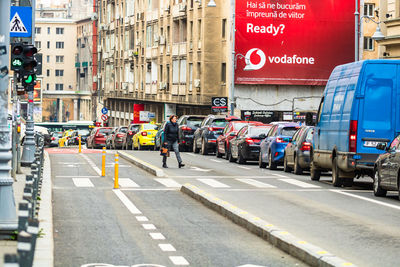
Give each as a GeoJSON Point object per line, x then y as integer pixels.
{"type": "Point", "coordinates": [104, 117]}
{"type": "Point", "coordinates": [20, 21]}
{"type": "Point", "coordinates": [219, 104]}
{"type": "Point", "coordinates": [104, 110]}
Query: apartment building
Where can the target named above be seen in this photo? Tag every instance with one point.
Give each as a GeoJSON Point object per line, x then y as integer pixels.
{"type": "Point", "coordinates": [370, 48]}
{"type": "Point", "coordinates": [389, 13]}
{"type": "Point", "coordinates": [169, 56]}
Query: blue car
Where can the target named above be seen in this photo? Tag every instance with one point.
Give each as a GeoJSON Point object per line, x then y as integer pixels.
{"type": "Point", "coordinates": [272, 148]}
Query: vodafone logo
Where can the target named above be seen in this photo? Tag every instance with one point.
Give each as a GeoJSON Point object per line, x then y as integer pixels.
{"type": "Point", "coordinates": [249, 64]}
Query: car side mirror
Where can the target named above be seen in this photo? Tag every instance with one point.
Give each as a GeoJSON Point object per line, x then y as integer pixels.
{"type": "Point", "coordinates": [262, 136]}
{"type": "Point", "coordinates": [381, 146]}
{"type": "Point", "coordinates": [232, 134]}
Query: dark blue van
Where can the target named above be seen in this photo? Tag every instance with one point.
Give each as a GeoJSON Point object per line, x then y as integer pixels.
{"type": "Point", "coordinates": [358, 110]}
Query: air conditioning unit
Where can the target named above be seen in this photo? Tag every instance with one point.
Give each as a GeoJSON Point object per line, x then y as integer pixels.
{"type": "Point", "coordinates": [197, 83]}
{"type": "Point", "coordinates": [182, 7]}
{"type": "Point", "coordinates": [124, 86]}
{"type": "Point", "coordinates": [162, 40]}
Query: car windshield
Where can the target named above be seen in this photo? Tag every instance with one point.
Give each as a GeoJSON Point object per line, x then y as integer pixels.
{"type": "Point", "coordinates": [239, 125]}
{"type": "Point", "coordinates": [219, 123]}
{"type": "Point", "coordinates": [256, 131]}
{"type": "Point", "coordinates": [309, 136]}
{"type": "Point", "coordinates": [150, 127]}
{"type": "Point", "coordinates": [289, 131]}
{"type": "Point", "coordinates": [194, 122]}
{"type": "Point", "coordinates": [104, 130]}
{"type": "Point", "coordinates": [123, 130]}
{"type": "Point", "coordinates": [57, 134]}
{"type": "Point", "coordinates": [83, 132]}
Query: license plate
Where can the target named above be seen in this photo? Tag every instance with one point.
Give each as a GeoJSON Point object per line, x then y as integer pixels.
{"type": "Point", "coordinates": [371, 143]}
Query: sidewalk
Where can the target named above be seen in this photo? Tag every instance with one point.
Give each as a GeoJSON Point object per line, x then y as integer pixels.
{"type": "Point", "coordinates": [10, 246]}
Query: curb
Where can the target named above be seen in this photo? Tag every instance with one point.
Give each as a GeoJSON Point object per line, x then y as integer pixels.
{"type": "Point", "coordinates": [142, 164]}
{"type": "Point", "coordinates": [304, 251]}
{"type": "Point", "coordinates": [44, 252]}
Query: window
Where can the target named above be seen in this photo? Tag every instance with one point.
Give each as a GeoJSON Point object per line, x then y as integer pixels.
{"type": "Point", "coordinates": [60, 45]}
{"type": "Point", "coordinates": [59, 30]}
{"type": "Point", "coordinates": [59, 72]}
{"type": "Point", "coordinates": [368, 44]}
{"type": "Point", "coordinates": [369, 10]}
{"type": "Point", "coordinates": [38, 44]}
{"type": "Point", "coordinates": [59, 59]}
{"type": "Point", "coordinates": [199, 29]}
{"type": "Point", "coordinates": [175, 71]}
{"type": "Point", "coordinates": [182, 72]}
{"type": "Point", "coordinates": [48, 30]}
{"type": "Point", "coordinates": [149, 36]}
{"type": "Point", "coordinates": [223, 28]}
{"type": "Point", "coordinates": [38, 30]}
{"type": "Point", "coordinates": [59, 86]}
{"type": "Point", "coordinates": [47, 87]}
{"type": "Point", "coordinates": [48, 44]}
{"type": "Point", "coordinates": [223, 73]}
{"type": "Point", "coordinates": [48, 73]}
{"type": "Point", "coordinates": [48, 59]}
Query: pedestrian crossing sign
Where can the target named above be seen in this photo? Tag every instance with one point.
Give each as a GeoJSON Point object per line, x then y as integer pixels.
{"type": "Point", "coordinates": [20, 21]}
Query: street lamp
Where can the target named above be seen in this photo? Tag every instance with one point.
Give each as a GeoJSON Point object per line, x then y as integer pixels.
{"type": "Point", "coordinates": [377, 36]}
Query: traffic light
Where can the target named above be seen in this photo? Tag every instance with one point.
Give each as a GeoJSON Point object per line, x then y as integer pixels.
{"type": "Point", "coordinates": [17, 59]}
{"type": "Point", "coordinates": [28, 73]}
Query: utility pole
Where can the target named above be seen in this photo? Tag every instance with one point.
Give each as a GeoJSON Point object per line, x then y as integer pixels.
{"type": "Point", "coordinates": [8, 216]}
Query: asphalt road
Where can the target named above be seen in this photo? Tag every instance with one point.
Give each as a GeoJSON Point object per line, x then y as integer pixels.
{"type": "Point", "coordinates": [348, 222]}
{"type": "Point", "coordinates": [147, 221]}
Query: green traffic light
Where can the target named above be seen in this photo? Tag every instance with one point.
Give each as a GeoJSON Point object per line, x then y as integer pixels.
{"type": "Point", "coordinates": [17, 63]}
{"type": "Point", "coordinates": [29, 79]}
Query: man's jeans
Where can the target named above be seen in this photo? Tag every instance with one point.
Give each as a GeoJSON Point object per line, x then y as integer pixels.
{"type": "Point", "coordinates": [174, 146]}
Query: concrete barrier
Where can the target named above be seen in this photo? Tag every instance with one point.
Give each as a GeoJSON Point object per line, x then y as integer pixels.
{"type": "Point", "coordinates": [142, 164]}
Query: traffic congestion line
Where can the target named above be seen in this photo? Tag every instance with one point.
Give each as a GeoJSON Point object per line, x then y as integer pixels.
{"type": "Point", "coordinates": [366, 199]}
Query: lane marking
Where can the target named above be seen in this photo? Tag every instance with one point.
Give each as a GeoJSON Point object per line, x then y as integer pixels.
{"type": "Point", "coordinates": [149, 189]}
{"type": "Point", "coordinates": [125, 200]}
{"type": "Point", "coordinates": [215, 160]}
{"type": "Point", "coordinates": [166, 247]}
{"type": "Point", "coordinates": [70, 163]}
{"type": "Point", "coordinates": [256, 183]}
{"type": "Point", "coordinates": [279, 175]}
{"type": "Point", "coordinates": [149, 226]}
{"type": "Point", "coordinates": [91, 163]}
{"type": "Point", "coordinates": [76, 176]}
{"type": "Point", "coordinates": [126, 182]}
{"type": "Point", "coordinates": [367, 199]}
{"type": "Point", "coordinates": [142, 218]}
{"type": "Point", "coordinates": [190, 154]}
{"type": "Point", "coordinates": [168, 182]}
{"type": "Point", "coordinates": [178, 260]}
{"type": "Point", "coordinates": [213, 183]}
{"type": "Point", "coordinates": [157, 236]}
{"type": "Point", "coordinates": [299, 183]}
{"type": "Point", "coordinates": [82, 182]}
{"type": "Point", "coordinates": [222, 177]}
{"type": "Point", "coordinates": [243, 167]}
{"type": "Point", "coordinates": [194, 168]}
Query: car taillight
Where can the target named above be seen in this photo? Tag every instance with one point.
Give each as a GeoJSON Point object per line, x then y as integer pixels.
{"type": "Point", "coordinates": [185, 128]}
{"type": "Point", "coordinates": [53, 138]}
{"type": "Point", "coordinates": [306, 146]}
{"type": "Point", "coordinates": [280, 140]}
{"type": "Point", "coordinates": [144, 133]}
{"type": "Point", "coordinates": [120, 135]}
{"type": "Point", "coordinates": [249, 141]}
{"type": "Point", "coordinates": [211, 129]}
{"type": "Point", "coordinates": [353, 136]}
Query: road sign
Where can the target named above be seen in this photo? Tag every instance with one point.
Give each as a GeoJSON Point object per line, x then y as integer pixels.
{"type": "Point", "coordinates": [20, 21]}
{"type": "Point", "coordinates": [219, 104]}
{"type": "Point", "coordinates": [104, 110]}
{"type": "Point", "coordinates": [104, 117]}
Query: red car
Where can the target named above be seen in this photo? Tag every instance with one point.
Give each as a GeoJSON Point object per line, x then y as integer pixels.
{"type": "Point", "coordinates": [230, 131]}
{"type": "Point", "coordinates": [97, 137]}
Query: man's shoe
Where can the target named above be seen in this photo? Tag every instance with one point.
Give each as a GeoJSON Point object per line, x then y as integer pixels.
{"type": "Point", "coordinates": [181, 165]}
{"type": "Point", "coordinates": [164, 165]}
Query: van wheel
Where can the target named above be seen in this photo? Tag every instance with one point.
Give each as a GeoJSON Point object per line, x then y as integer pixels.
{"type": "Point", "coordinates": [195, 149]}
{"type": "Point", "coordinates": [297, 169]}
{"type": "Point", "coordinates": [286, 168]}
{"type": "Point", "coordinates": [271, 163]}
{"type": "Point", "coordinates": [378, 190]}
{"type": "Point", "coordinates": [336, 180]}
{"type": "Point", "coordinates": [261, 164]}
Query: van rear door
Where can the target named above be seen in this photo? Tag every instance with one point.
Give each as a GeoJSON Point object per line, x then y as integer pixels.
{"type": "Point", "coordinates": [376, 114]}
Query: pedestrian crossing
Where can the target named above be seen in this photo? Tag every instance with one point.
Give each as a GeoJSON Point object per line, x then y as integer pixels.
{"type": "Point", "coordinates": [214, 182]}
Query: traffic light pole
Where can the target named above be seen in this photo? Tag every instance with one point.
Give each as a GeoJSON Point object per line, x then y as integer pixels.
{"type": "Point", "coordinates": [8, 216]}
{"type": "Point", "coordinates": [28, 153]}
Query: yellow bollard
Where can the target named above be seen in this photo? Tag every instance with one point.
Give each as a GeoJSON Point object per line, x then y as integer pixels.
{"type": "Point", "coordinates": [103, 163]}
{"type": "Point", "coordinates": [80, 144]}
{"type": "Point", "coordinates": [116, 185]}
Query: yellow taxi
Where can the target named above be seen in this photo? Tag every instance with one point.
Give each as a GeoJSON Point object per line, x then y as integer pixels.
{"type": "Point", "coordinates": [64, 139]}
{"type": "Point", "coordinates": [144, 138]}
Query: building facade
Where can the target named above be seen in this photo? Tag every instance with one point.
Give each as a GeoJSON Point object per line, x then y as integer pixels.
{"type": "Point", "coordinates": [389, 13]}
{"type": "Point", "coordinates": [369, 47]}
{"type": "Point", "coordinates": [166, 55]}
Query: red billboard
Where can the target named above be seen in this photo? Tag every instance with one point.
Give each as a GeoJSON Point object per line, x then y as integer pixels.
{"type": "Point", "coordinates": [296, 42]}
